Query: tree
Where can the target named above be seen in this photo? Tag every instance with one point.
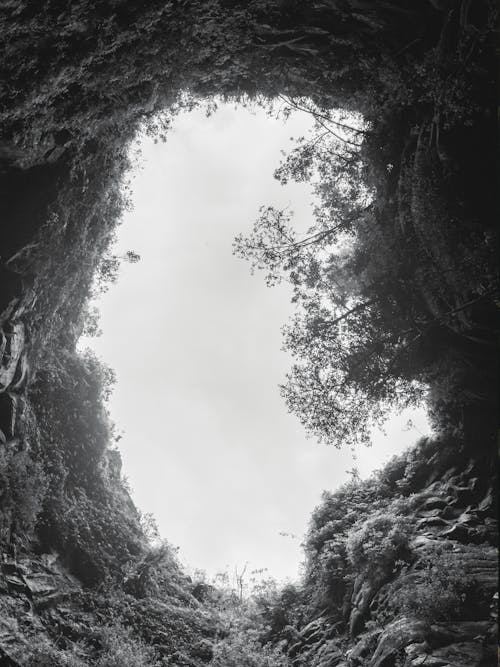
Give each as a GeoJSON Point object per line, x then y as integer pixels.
{"type": "Point", "coordinates": [239, 577]}
{"type": "Point", "coordinates": [91, 326]}
{"type": "Point", "coordinates": [107, 273]}
{"type": "Point", "coordinates": [342, 381]}
{"type": "Point", "coordinates": [385, 290]}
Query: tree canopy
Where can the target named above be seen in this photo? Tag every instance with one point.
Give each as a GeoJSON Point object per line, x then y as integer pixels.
{"type": "Point", "coordinates": [386, 289]}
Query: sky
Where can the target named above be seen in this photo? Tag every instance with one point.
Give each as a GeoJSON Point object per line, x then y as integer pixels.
{"type": "Point", "coordinates": [208, 446]}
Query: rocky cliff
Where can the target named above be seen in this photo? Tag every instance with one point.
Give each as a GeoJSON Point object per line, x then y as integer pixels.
{"type": "Point", "coordinates": [436, 602]}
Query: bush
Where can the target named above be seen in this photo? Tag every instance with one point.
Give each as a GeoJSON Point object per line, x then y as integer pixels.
{"type": "Point", "coordinates": [242, 648]}
{"type": "Point", "coordinates": [167, 623]}
{"type": "Point", "coordinates": [374, 545]}
{"type": "Point", "coordinates": [440, 593]}
{"type": "Point", "coordinates": [157, 573]}
{"type": "Point", "coordinates": [97, 534]}
{"type": "Point", "coordinates": [47, 655]}
{"type": "Point", "coordinates": [119, 648]}
{"type": "Point", "coordinates": [87, 513]}
{"type": "Point", "coordinates": [22, 488]}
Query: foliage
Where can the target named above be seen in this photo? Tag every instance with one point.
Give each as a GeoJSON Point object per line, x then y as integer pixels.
{"type": "Point", "coordinates": [439, 593]}
{"type": "Point", "coordinates": [364, 339]}
{"type": "Point", "coordinates": [280, 608]}
{"type": "Point", "coordinates": [76, 231]}
{"type": "Point", "coordinates": [245, 627]}
{"type": "Point", "coordinates": [23, 485]}
{"type": "Point", "coordinates": [107, 271]}
{"type": "Point", "coordinates": [172, 622]}
{"type": "Point", "coordinates": [391, 279]}
{"type": "Point", "coordinates": [157, 574]}
{"type": "Point", "coordinates": [69, 403]}
{"type": "Point", "coordinates": [45, 654]}
{"type": "Point", "coordinates": [117, 647]}
{"type": "Point", "coordinates": [242, 647]}
{"type": "Point", "coordinates": [374, 300]}
{"type": "Point", "coordinates": [86, 510]}
{"type": "Point", "coordinates": [115, 66]}
{"type": "Point", "coordinates": [364, 527]}
{"type": "Point", "coordinates": [374, 545]}
{"type": "Point", "coordinates": [393, 283]}
{"type": "Point", "coordinates": [91, 328]}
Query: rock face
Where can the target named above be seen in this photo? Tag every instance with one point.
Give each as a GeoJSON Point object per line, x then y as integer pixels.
{"type": "Point", "coordinates": [14, 365]}
{"type": "Point", "coordinates": [31, 588]}
{"type": "Point", "coordinates": [43, 605]}
{"type": "Point", "coordinates": [389, 622]}
{"type": "Point", "coordinates": [29, 585]}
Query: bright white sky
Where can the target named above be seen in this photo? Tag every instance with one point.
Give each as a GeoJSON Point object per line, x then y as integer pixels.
{"type": "Point", "coordinates": [208, 446]}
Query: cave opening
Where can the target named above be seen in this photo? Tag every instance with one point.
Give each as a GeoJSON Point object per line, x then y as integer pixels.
{"type": "Point", "coordinates": [393, 287]}
{"type": "Point", "coordinates": [115, 69]}
{"type": "Point", "coordinates": [195, 342]}
{"type": "Point", "coordinates": [120, 66]}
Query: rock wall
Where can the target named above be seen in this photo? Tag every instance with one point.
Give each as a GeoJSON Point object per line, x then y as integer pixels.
{"type": "Point", "coordinates": [454, 515]}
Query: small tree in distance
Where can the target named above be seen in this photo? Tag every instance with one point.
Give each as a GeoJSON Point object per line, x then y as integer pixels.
{"type": "Point", "coordinates": [109, 267]}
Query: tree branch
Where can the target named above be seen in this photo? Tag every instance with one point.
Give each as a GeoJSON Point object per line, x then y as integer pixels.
{"type": "Point", "coordinates": [317, 116]}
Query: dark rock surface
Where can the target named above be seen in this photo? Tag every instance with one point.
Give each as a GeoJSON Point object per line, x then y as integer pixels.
{"type": "Point", "coordinates": [454, 514]}
{"type": "Point", "coordinates": [31, 588]}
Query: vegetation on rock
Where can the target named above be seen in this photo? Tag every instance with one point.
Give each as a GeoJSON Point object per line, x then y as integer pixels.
{"type": "Point", "coordinates": [395, 291]}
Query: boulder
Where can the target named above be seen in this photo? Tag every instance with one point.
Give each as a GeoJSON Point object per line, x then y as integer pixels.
{"type": "Point", "coordinates": [463, 654]}
{"type": "Point", "coordinates": [8, 413]}
{"type": "Point", "coordinates": [12, 340]}
{"type": "Point", "coordinates": [396, 637]}
{"type": "Point", "coordinates": [435, 503]}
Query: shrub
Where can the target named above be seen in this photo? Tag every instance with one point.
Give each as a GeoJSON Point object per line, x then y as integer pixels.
{"type": "Point", "coordinates": [87, 513]}
{"type": "Point", "coordinates": [45, 654]}
{"type": "Point", "coordinates": [242, 648]}
{"type": "Point", "coordinates": [441, 592]}
{"type": "Point", "coordinates": [157, 574]}
{"type": "Point", "coordinates": [119, 648]}
{"type": "Point", "coordinates": [374, 545]}
{"type": "Point", "coordinates": [167, 623]}
{"type": "Point", "coordinates": [22, 488]}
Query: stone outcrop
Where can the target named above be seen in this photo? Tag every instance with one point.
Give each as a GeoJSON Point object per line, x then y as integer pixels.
{"type": "Point", "coordinates": [14, 365]}
{"type": "Point", "coordinates": [32, 589]}
{"type": "Point", "coordinates": [455, 516]}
